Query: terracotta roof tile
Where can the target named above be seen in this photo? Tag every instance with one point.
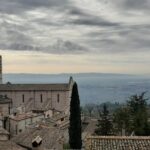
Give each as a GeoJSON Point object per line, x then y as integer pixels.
{"type": "Point", "coordinates": [49, 135]}
{"type": "Point", "coordinates": [24, 116]}
{"type": "Point", "coordinates": [9, 145]}
{"type": "Point", "coordinates": [118, 143]}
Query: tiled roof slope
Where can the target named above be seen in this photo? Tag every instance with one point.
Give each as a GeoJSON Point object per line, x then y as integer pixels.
{"type": "Point", "coordinates": [31, 87]}
{"type": "Point", "coordinates": [50, 137]}
{"type": "Point", "coordinates": [9, 145]}
{"type": "Point", "coordinates": [117, 143]}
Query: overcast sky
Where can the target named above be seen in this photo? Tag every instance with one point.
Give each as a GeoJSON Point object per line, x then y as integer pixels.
{"type": "Point", "coordinates": [57, 36]}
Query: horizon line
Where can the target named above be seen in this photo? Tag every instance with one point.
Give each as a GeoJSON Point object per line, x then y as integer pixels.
{"type": "Point", "coordinates": [76, 73]}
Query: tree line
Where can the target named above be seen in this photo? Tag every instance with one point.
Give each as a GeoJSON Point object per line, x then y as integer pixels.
{"type": "Point", "coordinates": [131, 118]}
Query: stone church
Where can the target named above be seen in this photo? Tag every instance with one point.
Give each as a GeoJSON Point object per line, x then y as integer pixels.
{"type": "Point", "coordinates": [37, 97]}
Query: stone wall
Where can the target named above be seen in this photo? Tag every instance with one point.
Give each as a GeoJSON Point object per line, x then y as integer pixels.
{"type": "Point", "coordinates": [18, 126]}
{"type": "Point", "coordinates": [39, 99]}
{"type": "Point", "coordinates": [0, 69]}
{"type": "Point", "coordinates": [4, 109]}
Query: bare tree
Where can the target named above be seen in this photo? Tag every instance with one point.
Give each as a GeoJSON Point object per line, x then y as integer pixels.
{"type": "Point", "coordinates": [90, 108]}
{"type": "Point", "coordinates": [99, 108]}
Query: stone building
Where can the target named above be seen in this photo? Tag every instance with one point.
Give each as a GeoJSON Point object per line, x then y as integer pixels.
{"type": "Point", "coordinates": [0, 69]}
{"type": "Point", "coordinates": [18, 123]}
{"type": "Point", "coordinates": [5, 110]}
{"type": "Point", "coordinates": [5, 106]}
{"type": "Point", "coordinates": [38, 96]}
{"type": "Point", "coordinates": [22, 105]}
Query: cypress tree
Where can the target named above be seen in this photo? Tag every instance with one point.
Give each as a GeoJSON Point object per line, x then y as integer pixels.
{"type": "Point", "coordinates": [75, 138]}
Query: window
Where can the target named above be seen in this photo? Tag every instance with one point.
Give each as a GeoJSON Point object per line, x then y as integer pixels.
{"type": "Point", "coordinates": [41, 98]}
{"type": "Point", "coordinates": [1, 109]}
{"type": "Point", "coordinates": [16, 129]}
{"type": "Point", "coordinates": [23, 98]}
{"type": "Point", "coordinates": [62, 119]}
{"type": "Point", "coordinates": [58, 98]}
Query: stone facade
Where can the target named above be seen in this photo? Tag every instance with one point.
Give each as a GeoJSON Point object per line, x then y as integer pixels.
{"type": "Point", "coordinates": [0, 69]}
{"type": "Point", "coordinates": [38, 96]}
{"type": "Point", "coordinates": [5, 106]}
{"type": "Point", "coordinates": [20, 122]}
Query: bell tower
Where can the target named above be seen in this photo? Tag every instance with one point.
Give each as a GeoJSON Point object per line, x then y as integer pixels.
{"type": "Point", "coordinates": [0, 69]}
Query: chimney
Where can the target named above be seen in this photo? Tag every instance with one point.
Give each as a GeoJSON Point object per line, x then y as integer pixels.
{"type": "Point", "coordinates": [0, 69]}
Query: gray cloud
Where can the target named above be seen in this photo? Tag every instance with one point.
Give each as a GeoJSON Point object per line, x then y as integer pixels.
{"type": "Point", "coordinates": [62, 47]}
{"type": "Point", "coordinates": [59, 47]}
{"type": "Point", "coordinates": [95, 21]}
{"type": "Point", "coordinates": [136, 4]}
{"type": "Point", "coordinates": [20, 6]}
{"type": "Point", "coordinates": [123, 39]}
{"type": "Point", "coordinates": [132, 7]}
{"type": "Point", "coordinates": [65, 27]}
{"type": "Point", "coordinates": [76, 11]}
{"type": "Point", "coordinates": [85, 18]}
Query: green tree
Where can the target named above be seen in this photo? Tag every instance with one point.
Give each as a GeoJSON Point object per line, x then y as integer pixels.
{"type": "Point", "coordinates": [133, 118]}
{"type": "Point", "coordinates": [137, 103]}
{"type": "Point", "coordinates": [139, 115]}
{"type": "Point", "coordinates": [122, 122]}
{"type": "Point", "coordinates": [75, 139]}
{"type": "Point", "coordinates": [104, 124]}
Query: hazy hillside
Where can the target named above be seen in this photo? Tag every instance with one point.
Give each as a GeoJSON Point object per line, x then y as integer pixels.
{"type": "Point", "coordinates": [94, 88]}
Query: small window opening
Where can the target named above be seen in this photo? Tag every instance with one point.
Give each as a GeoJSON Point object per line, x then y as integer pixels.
{"type": "Point", "coordinates": [41, 98]}
{"type": "Point", "coordinates": [58, 98]}
{"type": "Point", "coordinates": [23, 98]}
{"type": "Point", "coordinates": [62, 119]}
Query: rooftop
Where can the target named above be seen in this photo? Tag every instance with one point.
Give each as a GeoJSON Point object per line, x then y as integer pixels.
{"type": "Point", "coordinates": [36, 87]}
{"type": "Point", "coordinates": [50, 137]}
{"type": "Point", "coordinates": [59, 116]}
{"type": "Point", "coordinates": [9, 145]}
{"type": "Point", "coordinates": [118, 143]}
{"type": "Point", "coordinates": [24, 116]}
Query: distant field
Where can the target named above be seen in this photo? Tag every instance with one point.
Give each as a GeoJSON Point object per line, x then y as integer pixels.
{"type": "Point", "coordinates": [95, 88]}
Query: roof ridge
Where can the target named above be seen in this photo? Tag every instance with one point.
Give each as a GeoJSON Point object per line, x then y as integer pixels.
{"type": "Point", "coordinates": [121, 137]}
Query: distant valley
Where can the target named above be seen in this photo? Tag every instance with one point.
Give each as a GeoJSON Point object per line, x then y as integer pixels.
{"type": "Point", "coordinates": [93, 87]}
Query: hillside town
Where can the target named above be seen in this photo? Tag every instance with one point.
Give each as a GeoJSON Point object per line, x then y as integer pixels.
{"type": "Point", "coordinates": [34, 113]}
{"type": "Point", "coordinates": [74, 75]}
{"type": "Point", "coordinates": [37, 117]}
